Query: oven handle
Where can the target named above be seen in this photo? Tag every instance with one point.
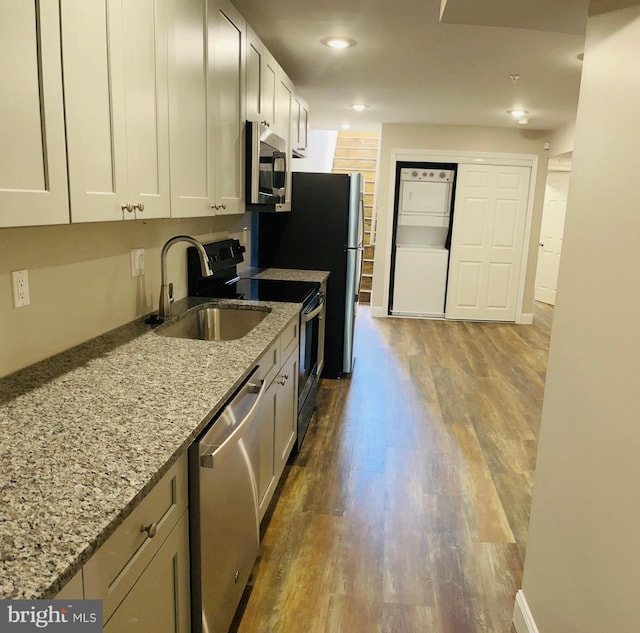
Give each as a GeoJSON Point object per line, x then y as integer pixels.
{"type": "Point", "coordinates": [314, 313]}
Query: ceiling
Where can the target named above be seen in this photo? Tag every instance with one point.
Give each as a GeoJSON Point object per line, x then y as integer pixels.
{"type": "Point", "coordinates": [410, 67]}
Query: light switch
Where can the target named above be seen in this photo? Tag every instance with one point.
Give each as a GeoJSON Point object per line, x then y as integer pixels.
{"type": "Point", "coordinates": [137, 262]}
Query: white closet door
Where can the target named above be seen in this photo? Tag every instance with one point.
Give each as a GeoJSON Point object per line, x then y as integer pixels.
{"type": "Point", "coordinates": [487, 241]}
{"type": "Point", "coordinates": [555, 206]}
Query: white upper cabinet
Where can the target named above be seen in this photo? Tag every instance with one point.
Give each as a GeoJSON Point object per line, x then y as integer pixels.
{"type": "Point", "coordinates": [227, 36]}
{"type": "Point", "coordinates": [262, 77]}
{"type": "Point", "coordinates": [207, 107]}
{"type": "Point", "coordinates": [191, 139]}
{"type": "Point", "coordinates": [116, 99]}
{"type": "Point", "coordinates": [299, 126]}
{"type": "Point", "coordinates": [33, 178]}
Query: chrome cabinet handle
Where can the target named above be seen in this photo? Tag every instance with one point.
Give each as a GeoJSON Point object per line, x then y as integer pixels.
{"type": "Point", "coordinates": [282, 379]}
{"type": "Point", "coordinates": [151, 529]}
{"type": "Point", "coordinates": [128, 207]}
{"type": "Point", "coordinates": [139, 206]}
{"type": "Point", "coordinates": [217, 206]}
{"type": "Point", "coordinates": [266, 123]}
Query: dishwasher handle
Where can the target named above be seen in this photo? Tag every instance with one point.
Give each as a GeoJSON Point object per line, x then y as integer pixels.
{"type": "Point", "coordinates": [208, 454]}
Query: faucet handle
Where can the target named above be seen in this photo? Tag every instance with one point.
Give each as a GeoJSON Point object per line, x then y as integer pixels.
{"type": "Point", "coordinates": [171, 292]}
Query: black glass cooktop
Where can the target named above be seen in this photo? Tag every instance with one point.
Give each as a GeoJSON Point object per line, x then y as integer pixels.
{"type": "Point", "coordinates": [267, 290]}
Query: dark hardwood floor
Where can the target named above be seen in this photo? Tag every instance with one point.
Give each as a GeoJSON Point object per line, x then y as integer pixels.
{"type": "Point", "coordinates": [407, 507]}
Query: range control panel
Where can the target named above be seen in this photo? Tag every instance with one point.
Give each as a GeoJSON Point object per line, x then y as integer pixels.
{"type": "Point", "coordinates": [427, 175]}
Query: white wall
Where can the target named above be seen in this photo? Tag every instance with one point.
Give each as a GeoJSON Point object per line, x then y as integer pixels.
{"type": "Point", "coordinates": [80, 279]}
{"type": "Point", "coordinates": [321, 150]}
{"type": "Point", "coordinates": [582, 568]}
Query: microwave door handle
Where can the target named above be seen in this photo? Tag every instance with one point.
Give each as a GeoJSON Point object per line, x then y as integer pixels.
{"type": "Point", "coordinates": [278, 156]}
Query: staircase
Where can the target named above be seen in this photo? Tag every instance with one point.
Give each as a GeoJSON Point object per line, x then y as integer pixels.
{"type": "Point", "coordinates": [358, 151]}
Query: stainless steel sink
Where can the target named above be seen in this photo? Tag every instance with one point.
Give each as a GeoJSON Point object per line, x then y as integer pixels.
{"type": "Point", "coordinates": [215, 324]}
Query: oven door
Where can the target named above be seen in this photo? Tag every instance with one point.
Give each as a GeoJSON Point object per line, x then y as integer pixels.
{"type": "Point", "coordinates": [309, 338]}
{"type": "Point", "coordinates": [311, 323]}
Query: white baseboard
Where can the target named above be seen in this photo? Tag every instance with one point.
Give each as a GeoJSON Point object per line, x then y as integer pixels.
{"type": "Point", "coordinates": [522, 616]}
{"type": "Point", "coordinates": [525, 318]}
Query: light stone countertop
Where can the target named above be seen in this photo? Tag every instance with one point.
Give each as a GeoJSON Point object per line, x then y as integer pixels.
{"type": "Point", "coordinates": [286, 274]}
{"type": "Point", "coordinates": [86, 434]}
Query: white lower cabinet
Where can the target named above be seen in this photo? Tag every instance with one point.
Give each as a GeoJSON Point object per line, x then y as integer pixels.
{"type": "Point", "coordinates": [141, 573]}
{"type": "Point", "coordinates": [285, 428]}
{"type": "Point", "coordinates": [159, 600]}
{"type": "Point", "coordinates": [279, 412]}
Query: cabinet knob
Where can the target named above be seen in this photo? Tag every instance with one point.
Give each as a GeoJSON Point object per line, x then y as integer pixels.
{"type": "Point", "coordinates": [215, 206]}
{"type": "Point", "coordinates": [223, 205]}
{"type": "Point", "coordinates": [266, 123]}
{"type": "Point", "coordinates": [151, 529]}
{"type": "Point", "coordinates": [128, 207]}
{"type": "Point", "coordinates": [282, 379]}
{"type": "Point", "coordinates": [139, 206]}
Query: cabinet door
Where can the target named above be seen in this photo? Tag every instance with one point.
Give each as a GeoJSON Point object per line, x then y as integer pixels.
{"type": "Point", "coordinates": [267, 473]}
{"type": "Point", "coordinates": [261, 81]}
{"type": "Point", "coordinates": [95, 108]}
{"type": "Point", "coordinates": [33, 180]}
{"type": "Point", "coordinates": [227, 43]}
{"type": "Point", "coordinates": [299, 126]}
{"type": "Point", "coordinates": [192, 177]}
{"type": "Point", "coordinates": [115, 80]}
{"type": "Point", "coordinates": [144, 37]}
{"type": "Point", "coordinates": [286, 421]}
{"type": "Point", "coordinates": [159, 601]}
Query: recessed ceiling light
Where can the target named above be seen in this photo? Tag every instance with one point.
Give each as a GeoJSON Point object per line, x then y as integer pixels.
{"type": "Point", "coordinates": [523, 121]}
{"type": "Point", "coordinates": [517, 114]}
{"type": "Point", "coordinates": [345, 126]}
{"type": "Point", "coordinates": [338, 42]}
{"type": "Point", "coordinates": [359, 107]}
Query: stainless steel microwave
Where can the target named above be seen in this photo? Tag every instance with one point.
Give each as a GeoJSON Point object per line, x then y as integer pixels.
{"type": "Point", "coordinates": [266, 181]}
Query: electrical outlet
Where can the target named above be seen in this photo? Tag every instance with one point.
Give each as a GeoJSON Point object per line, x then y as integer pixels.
{"type": "Point", "coordinates": [20, 284]}
{"type": "Point", "coordinates": [137, 262]}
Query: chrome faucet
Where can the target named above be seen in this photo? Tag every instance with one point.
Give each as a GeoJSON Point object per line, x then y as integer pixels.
{"type": "Point", "coordinates": [205, 266]}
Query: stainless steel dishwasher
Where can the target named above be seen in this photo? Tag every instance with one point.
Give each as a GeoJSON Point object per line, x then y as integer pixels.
{"type": "Point", "coordinates": [224, 518]}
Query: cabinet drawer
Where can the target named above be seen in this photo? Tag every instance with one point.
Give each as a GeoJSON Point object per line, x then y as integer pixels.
{"type": "Point", "coordinates": [289, 338]}
{"type": "Point", "coordinates": [118, 563]}
{"type": "Point", "coordinates": [270, 362]}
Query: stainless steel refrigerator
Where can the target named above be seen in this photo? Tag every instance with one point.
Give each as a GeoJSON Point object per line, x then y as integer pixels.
{"type": "Point", "coordinates": [323, 231]}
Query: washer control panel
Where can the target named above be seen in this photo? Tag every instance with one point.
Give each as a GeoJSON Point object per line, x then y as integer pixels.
{"type": "Point", "coordinates": [428, 175]}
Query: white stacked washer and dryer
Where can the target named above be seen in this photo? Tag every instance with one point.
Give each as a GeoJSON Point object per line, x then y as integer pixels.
{"type": "Point", "coordinates": [423, 217]}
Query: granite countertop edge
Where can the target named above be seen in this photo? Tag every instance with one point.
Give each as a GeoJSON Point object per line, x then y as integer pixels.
{"type": "Point", "coordinates": [86, 434]}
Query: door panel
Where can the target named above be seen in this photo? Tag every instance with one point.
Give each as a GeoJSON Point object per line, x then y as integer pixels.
{"type": "Point", "coordinates": [146, 90]}
{"type": "Point", "coordinates": [487, 242]}
{"type": "Point", "coordinates": [95, 107]}
{"type": "Point", "coordinates": [33, 168]}
{"type": "Point", "coordinates": [551, 232]}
